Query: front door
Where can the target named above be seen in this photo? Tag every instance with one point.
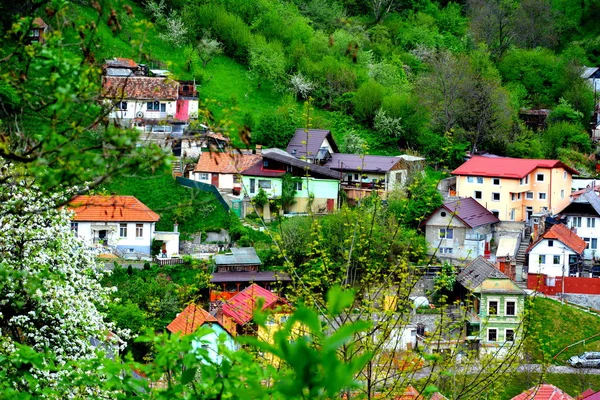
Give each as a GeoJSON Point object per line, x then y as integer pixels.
{"type": "Point", "coordinates": [529, 213]}
{"type": "Point", "coordinates": [214, 180]}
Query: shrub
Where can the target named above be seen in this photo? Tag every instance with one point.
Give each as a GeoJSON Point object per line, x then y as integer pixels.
{"type": "Point", "coordinates": [367, 100]}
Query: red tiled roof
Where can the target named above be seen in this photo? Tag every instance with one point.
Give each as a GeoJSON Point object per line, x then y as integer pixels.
{"type": "Point", "coordinates": [189, 320]}
{"type": "Point", "coordinates": [39, 23]}
{"type": "Point", "coordinates": [565, 235]}
{"type": "Point", "coordinates": [543, 392]}
{"type": "Point", "coordinates": [111, 208]}
{"type": "Point", "coordinates": [505, 167]}
{"type": "Point", "coordinates": [410, 394]}
{"type": "Point", "coordinates": [226, 163]}
{"type": "Point", "coordinates": [241, 306]}
{"type": "Point", "coordinates": [139, 88]}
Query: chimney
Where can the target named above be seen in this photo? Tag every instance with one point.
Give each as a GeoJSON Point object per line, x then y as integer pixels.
{"type": "Point", "coordinates": [258, 149]}
{"type": "Point", "coordinates": [176, 227]}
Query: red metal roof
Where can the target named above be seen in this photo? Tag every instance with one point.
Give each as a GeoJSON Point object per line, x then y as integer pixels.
{"type": "Point", "coordinates": [543, 392]}
{"type": "Point", "coordinates": [111, 208]}
{"type": "Point", "coordinates": [241, 306]}
{"type": "Point", "coordinates": [506, 167]}
{"type": "Point", "coordinates": [563, 234]}
{"type": "Point", "coordinates": [189, 320]}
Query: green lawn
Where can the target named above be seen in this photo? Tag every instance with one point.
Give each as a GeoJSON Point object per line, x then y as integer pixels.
{"type": "Point", "coordinates": [555, 326]}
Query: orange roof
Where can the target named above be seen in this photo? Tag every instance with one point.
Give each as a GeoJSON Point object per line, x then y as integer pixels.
{"type": "Point", "coordinates": [111, 208]}
{"type": "Point", "coordinates": [189, 320]}
{"type": "Point", "coordinates": [39, 23]}
{"type": "Point", "coordinates": [241, 306]}
{"type": "Point", "coordinates": [506, 167]}
{"type": "Point", "coordinates": [411, 394]}
{"type": "Point", "coordinates": [438, 396]}
{"type": "Point", "coordinates": [543, 392]}
{"type": "Point", "coordinates": [226, 163]}
{"type": "Point", "coordinates": [565, 235]}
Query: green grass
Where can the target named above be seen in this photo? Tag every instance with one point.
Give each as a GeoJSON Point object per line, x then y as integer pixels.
{"type": "Point", "coordinates": [573, 384]}
{"type": "Point", "coordinates": [555, 326]}
{"type": "Point", "coordinates": [194, 210]}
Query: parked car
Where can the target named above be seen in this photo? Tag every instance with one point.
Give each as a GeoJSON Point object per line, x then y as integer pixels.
{"type": "Point", "coordinates": [589, 359]}
{"type": "Point", "coordinates": [595, 271]}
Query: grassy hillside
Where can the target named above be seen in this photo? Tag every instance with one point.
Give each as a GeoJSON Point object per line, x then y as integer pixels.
{"type": "Point", "coordinates": [555, 326]}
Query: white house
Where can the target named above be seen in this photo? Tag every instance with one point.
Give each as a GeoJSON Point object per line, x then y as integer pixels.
{"type": "Point", "coordinates": [223, 169]}
{"type": "Point", "coordinates": [557, 252]}
{"type": "Point", "coordinates": [118, 222]}
{"type": "Point", "coordinates": [583, 216]}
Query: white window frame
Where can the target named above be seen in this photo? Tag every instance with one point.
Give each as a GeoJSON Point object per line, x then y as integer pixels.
{"type": "Point", "coordinates": [576, 222]}
{"type": "Point", "coordinates": [488, 334]}
{"type": "Point", "coordinates": [554, 259]}
{"type": "Point", "coordinates": [542, 259]}
{"type": "Point", "coordinates": [594, 245]}
{"type": "Point", "coordinates": [494, 180]}
{"type": "Point", "coordinates": [591, 222]}
{"type": "Point", "coordinates": [203, 176]}
{"type": "Point", "coordinates": [538, 175]}
{"type": "Point", "coordinates": [480, 195]}
{"type": "Point", "coordinates": [506, 334]}
{"type": "Point", "coordinates": [479, 180]}
{"type": "Point", "coordinates": [542, 196]}
{"type": "Point", "coordinates": [298, 186]}
{"type": "Point", "coordinates": [529, 195]}
{"type": "Point", "coordinates": [446, 233]}
{"type": "Point", "coordinates": [262, 184]}
{"type": "Point", "coordinates": [470, 179]}
{"type": "Point", "coordinates": [497, 307]}
{"type": "Point", "coordinates": [565, 175]}
{"type": "Point", "coordinates": [510, 300]}
{"type": "Point", "coordinates": [562, 194]}
{"type": "Point", "coordinates": [496, 193]}
{"type": "Point", "coordinates": [122, 230]}
{"type": "Point", "coordinates": [139, 231]}
{"type": "Point", "coordinates": [524, 180]}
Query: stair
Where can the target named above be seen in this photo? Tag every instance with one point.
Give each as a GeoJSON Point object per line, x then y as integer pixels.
{"type": "Point", "coordinates": [176, 166]}
{"type": "Point", "coordinates": [523, 247]}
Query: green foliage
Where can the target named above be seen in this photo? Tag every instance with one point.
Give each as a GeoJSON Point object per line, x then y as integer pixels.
{"type": "Point", "coordinates": [418, 201]}
{"type": "Point", "coordinates": [260, 199]}
{"type": "Point", "coordinates": [267, 61]}
{"type": "Point", "coordinates": [564, 134]}
{"type": "Point", "coordinates": [367, 100]}
{"type": "Point", "coordinates": [288, 191]}
{"type": "Point", "coordinates": [275, 129]}
{"type": "Point", "coordinates": [564, 112]}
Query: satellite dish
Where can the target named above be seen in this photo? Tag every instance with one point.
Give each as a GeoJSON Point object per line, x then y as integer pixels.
{"type": "Point", "coordinates": [139, 114]}
{"type": "Point", "coordinates": [420, 301]}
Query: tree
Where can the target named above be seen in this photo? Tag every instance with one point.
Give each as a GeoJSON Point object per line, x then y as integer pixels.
{"type": "Point", "coordinates": [267, 61]}
{"type": "Point", "coordinates": [208, 49]}
{"type": "Point", "coordinates": [275, 129]}
{"type": "Point", "coordinates": [492, 22]}
{"type": "Point", "coordinates": [367, 101]}
{"type": "Point", "coordinates": [535, 25]}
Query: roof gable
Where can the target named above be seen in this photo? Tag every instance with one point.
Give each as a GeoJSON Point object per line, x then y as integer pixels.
{"type": "Point", "coordinates": [476, 272]}
{"type": "Point", "coordinates": [563, 234]}
{"type": "Point", "coordinates": [226, 163]}
{"type": "Point", "coordinates": [307, 143]}
{"type": "Point", "coordinates": [111, 208]}
{"type": "Point", "coordinates": [506, 167]}
{"type": "Point", "coordinates": [190, 319]}
{"type": "Point", "coordinates": [543, 392]}
{"type": "Point", "coordinates": [241, 306]}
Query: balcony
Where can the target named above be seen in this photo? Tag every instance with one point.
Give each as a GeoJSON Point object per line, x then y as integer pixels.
{"type": "Point", "coordinates": [474, 236]}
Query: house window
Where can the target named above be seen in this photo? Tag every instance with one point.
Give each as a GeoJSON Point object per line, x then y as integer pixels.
{"type": "Point", "coordinates": [496, 181]}
{"type": "Point", "coordinates": [236, 179]}
{"type": "Point", "coordinates": [480, 179]}
{"type": "Point", "coordinates": [542, 196]}
{"type": "Point", "coordinates": [562, 193]}
{"type": "Point", "coordinates": [75, 228]}
{"type": "Point", "coordinates": [470, 179]}
{"type": "Point", "coordinates": [446, 250]}
{"type": "Point", "coordinates": [512, 214]}
{"type": "Point", "coordinates": [518, 196]}
{"type": "Point", "coordinates": [493, 307]}
{"type": "Point", "coordinates": [123, 230]}
{"type": "Point", "coordinates": [478, 195]}
{"type": "Point", "coordinates": [594, 244]}
{"type": "Point", "coordinates": [524, 181]}
{"type": "Point", "coordinates": [509, 335]}
{"type": "Point", "coordinates": [139, 230]}
{"type": "Point", "coordinates": [492, 334]}
{"type": "Point", "coordinates": [495, 196]}
{"type": "Point", "coordinates": [513, 196]}
{"type": "Point", "coordinates": [550, 243]}
{"type": "Point", "coordinates": [551, 281]}
{"type": "Point", "coordinates": [264, 184]}
{"type": "Point", "coordinates": [529, 195]}
{"type": "Point", "coordinates": [496, 213]}
{"type": "Point", "coordinates": [121, 106]}
{"type": "Point", "coordinates": [446, 233]}
{"type": "Point", "coordinates": [298, 185]}
{"type": "Point", "coordinates": [587, 242]}
{"type": "Point", "coordinates": [511, 308]}
{"type": "Point", "coordinates": [539, 177]}
{"type": "Point", "coordinates": [565, 175]}
{"type": "Point", "coordinates": [576, 222]}
{"type": "Point", "coordinates": [203, 177]}
{"type": "Point", "coordinates": [153, 106]}
{"type": "Point", "coordinates": [556, 260]}
{"type": "Point", "coordinates": [265, 163]}
{"type": "Point", "coordinates": [542, 259]}
{"type": "Point", "coordinates": [591, 222]}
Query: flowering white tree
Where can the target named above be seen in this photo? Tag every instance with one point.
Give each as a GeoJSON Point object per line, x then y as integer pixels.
{"type": "Point", "coordinates": [50, 290]}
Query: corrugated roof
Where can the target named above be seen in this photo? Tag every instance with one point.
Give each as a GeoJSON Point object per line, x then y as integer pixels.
{"type": "Point", "coordinates": [506, 167]}
{"type": "Point", "coordinates": [119, 72]}
{"type": "Point", "coordinates": [587, 72]}
{"type": "Point", "coordinates": [120, 62]}
{"type": "Point", "coordinates": [239, 256]}
{"type": "Point", "coordinates": [470, 212]}
{"type": "Point", "coordinates": [139, 88]}
{"type": "Point", "coordinates": [307, 144]}
{"type": "Point", "coordinates": [563, 234]}
{"type": "Point", "coordinates": [281, 156]}
{"type": "Point", "coordinates": [190, 319]}
{"type": "Point", "coordinates": [476, 272]}
{"type": "Point", "coordinates": [241, 306]}
{"type": "Point", "coordinates": [226, 163]}
{"type": "Point", "coordinates": [251, 276]}
{"type": "Point", "coordinates": [111, 208]}
{"type": "Point", "coordinates": [366, 163]}
{"type": "Point", "coordinates": [543, 392]}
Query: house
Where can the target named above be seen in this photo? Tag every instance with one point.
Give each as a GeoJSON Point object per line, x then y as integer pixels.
{"type": "Point", "coordinates": [193, 318]}
{"type": "Point", "coordinates": [37, 31]}
{"type": "Point", "coordinates": [583, 215]}
{"type": "Point", "coordinates": [514, 188]}
{"type": "Point", "coordinates": [557, 252]}
{"type": "Point", "coordinates": [495, 303]}
{"type": "Point", "coordinates": [385, 172]}
{"type": "Point", "coordinates": [312, 145]}
{"type": "Point", "coordinates": [240, 308]}
{"type": "Point", "coordinates": [592, 75]}
{"type": "Point", "coordinates": [316, 187]}
{"type": "Point", "coordinates": [460, 229]}
{"type": "Point", "coordinates": [146, 101]}
{"type": "Point", "coordinates": [543, 392]}
{"type": "Point", "coordinates": [222, 170]}
{"type": "Point", "coordinates": [238, 270]}
{"type": "Point", "coordinates": [119, 222]}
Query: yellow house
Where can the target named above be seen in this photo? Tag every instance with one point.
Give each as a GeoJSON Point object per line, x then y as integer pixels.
{"type": "Point", "coordinates": [515, 188]}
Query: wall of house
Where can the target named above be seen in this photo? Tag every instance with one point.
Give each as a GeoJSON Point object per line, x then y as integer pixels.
{"type": "Point", "coordinates": [209, 336]}
{"type": "Point", "coordinates": [501, 322]}
{"type": "Point", "coordinates": [171, 240]}
{"type": "Point", "coordinates": [88, 231]}
{"type": "Point", "coordinates": [549, 267]}
{"type": "Point", "coordinates": [587, 228]}
{"type": "Point", "coordinates": [552, 193]}
{"type": "Point", "coordinates": [225, 180]}
{"type": "Point", "coordinates": [274, 191]}
{"type": "Point", "coordinates": [140, 106]}
{"type": "Point", "coordinates": [357, 177]}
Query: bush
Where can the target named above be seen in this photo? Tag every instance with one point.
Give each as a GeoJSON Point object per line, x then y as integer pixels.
{"type": "Point", "coordinates": [367, 100]}
{"type": "Point", "coordinates": [276, 128]}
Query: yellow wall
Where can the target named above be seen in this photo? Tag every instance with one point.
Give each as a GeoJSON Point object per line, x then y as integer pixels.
{"type": "Point", "coordinates": [555, 185]}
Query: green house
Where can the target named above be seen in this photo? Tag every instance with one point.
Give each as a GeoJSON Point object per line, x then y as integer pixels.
{"type": "Point", "coordinates": [494, 304]}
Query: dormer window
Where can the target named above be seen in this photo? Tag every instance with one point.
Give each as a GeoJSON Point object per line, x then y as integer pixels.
{"type": "Point", "coordinates": [265, 163]}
